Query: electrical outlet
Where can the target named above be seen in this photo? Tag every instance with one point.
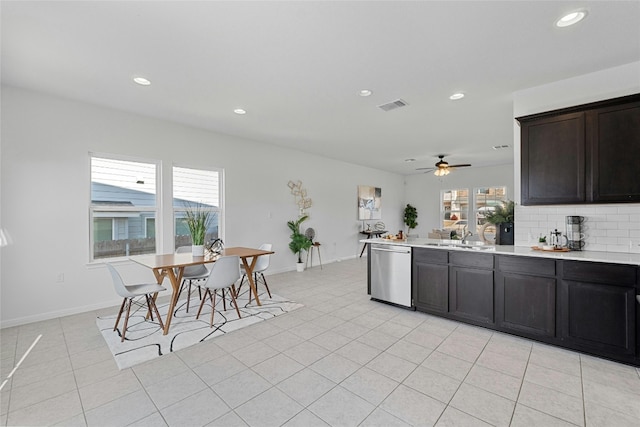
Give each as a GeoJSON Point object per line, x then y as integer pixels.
{"type": "Point", "coordinates": [60, 278]}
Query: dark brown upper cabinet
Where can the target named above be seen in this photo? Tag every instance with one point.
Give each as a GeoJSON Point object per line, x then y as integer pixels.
{"type": "Point", "coordinates": [584, 154]}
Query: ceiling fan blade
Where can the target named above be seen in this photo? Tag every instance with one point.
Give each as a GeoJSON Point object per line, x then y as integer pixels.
{"type": "Point", "coordinates": [425, 169]}
{"type": "Point", "coordinates": [459, 166]}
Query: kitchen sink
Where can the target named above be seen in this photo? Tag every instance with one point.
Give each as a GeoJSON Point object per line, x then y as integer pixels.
{"type": "Point", "coordinates": [466, 246]}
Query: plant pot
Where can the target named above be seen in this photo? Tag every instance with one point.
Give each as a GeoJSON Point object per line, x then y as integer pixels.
{"type": "Point", "coordinates": [504, 233]}
{"type": "Point", "coordinates": [197, 250]}
{"type": "Point", "coordinates": [299, 267]}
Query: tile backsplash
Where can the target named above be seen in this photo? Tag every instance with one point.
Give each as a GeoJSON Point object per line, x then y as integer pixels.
{"type": "Point", "coordinates": [607, 228]}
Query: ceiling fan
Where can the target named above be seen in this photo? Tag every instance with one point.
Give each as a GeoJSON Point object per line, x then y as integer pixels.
{"type": "Point", "coordinates": [442, 168]}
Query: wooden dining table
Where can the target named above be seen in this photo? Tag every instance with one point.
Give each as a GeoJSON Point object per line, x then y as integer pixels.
{"type": "Point", "coordinates": [173, 265]}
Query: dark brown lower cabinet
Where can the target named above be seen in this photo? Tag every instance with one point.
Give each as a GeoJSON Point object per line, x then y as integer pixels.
{"type": "Point", "coordinates": [471, 295]}
{"type": "Point", "coordinates": [598, 303]}
{"type": "Point", "coordinates": [430, 278]}
{"type": "Point", "coordinates": [598, 317]}
{"type": "Point", "coordinates": [526, 296]}
{"type": "Point", "coordinates": [581, 305]}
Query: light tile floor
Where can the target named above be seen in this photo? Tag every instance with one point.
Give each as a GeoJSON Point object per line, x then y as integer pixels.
{"type": "Point", "coordinates": [341, 360]}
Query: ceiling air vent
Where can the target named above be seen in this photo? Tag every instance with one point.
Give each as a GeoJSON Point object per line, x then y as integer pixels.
{"type": "Point", "coordinates": [393, 105]}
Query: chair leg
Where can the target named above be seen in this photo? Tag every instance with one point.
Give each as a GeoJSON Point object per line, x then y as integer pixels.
{"type": "Point", "coordinates": [188, 295]}
{"type": "Point", "coordinates": [241, 283]}
{"type": "Point", "coordinates": [152, 305]}
{"type": "Point", "coordinates": [264, 280]}
{"type": "Point", "coordinates": [181, 289]}
{"type": "Point", "coordinates": [207, 292]}
{"type": "Point", "coordinates": [213, 308]}
{"type": "Point", "coordinates": [224, 300]}
{"type": "Point", "coordinates": [233, 298]}
{"type": "Point", "coordinates": [124, 300]}
{"type": "Point", "coordinates": [320, 257]}
{"type": "Point", "coordinates": [126, 319]}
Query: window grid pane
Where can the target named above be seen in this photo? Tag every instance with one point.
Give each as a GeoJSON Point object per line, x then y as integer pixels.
{"type": "Point", "coordinates": [195, 187]}
{"type": "Point", "coordinates": [123, 201]}
{"type": "Point", "coordinates": [455, 210]}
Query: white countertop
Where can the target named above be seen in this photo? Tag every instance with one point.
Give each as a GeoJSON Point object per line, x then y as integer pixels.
{"type": "Point", "coordinates": [594, 256]}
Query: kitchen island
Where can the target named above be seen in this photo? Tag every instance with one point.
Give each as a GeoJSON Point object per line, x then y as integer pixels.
{"type": "Point", "coordinates": [584, 300]}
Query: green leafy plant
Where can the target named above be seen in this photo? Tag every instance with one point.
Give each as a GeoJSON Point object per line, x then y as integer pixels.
{"type": "Point", "coordinates": [410, 216]}
{"type": "Point", "coordinates": [299, 242]}
{"type": "Point", "coordinates": [198, 220]}
{"type": "Point", "coordinates": [502, 214]}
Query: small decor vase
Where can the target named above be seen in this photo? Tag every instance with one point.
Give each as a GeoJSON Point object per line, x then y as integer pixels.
{"type": "Point", "coordinates": [197, 250]}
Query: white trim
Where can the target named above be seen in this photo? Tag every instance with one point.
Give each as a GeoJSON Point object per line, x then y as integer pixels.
{"type": "Point", "coordinates": [59, 313]}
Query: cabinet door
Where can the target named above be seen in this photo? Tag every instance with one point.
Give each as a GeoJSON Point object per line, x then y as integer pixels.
{"type": "Point", "coordinates": [431, 287]}
{"type": "Point", "coordinates": [430, 280]}
{"type": "Point", "coordinates": [553, 160]}
{"type": "Point", "coordinates": [471, 294]}
{"type": "Point", "coordinates": [526, 304]}
{"type": "Point", "coordinates": [614, 141]}
{"type": "Point", "coordinates": [600, 318]}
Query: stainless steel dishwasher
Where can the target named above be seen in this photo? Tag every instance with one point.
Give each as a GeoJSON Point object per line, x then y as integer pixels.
{"type": "Point", "coordinates": [391, 274]}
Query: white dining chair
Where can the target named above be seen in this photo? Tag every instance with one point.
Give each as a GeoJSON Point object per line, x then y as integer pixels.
{"type": "Point", "coordinates": [192, 275]}
{"type": "Point", "coordinates": [262, 263]}
{"type": "Point", "coordinates": [128, 293]}
{"type": "Point", "coordinates": [224, 274]}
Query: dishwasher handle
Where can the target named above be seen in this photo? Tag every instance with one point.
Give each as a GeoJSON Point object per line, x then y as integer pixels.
{"type": "Point", "coordinates": [392, 250]}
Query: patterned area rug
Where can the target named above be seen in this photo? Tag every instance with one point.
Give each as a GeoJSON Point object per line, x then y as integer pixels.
{"type": "Point", "coordinates": [144, 340]}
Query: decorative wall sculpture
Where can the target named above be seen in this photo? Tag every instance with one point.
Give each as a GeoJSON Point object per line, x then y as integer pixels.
{"type": "Point", "coordinates": [300, 195]}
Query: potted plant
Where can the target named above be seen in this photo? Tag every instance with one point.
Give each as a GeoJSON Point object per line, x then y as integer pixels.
{"type": "Point", "coordinates": [299, 242]}
{"type": "Point", "coordinates": [502, 217]}
{"type": "Point", "coordinates": [198, 220]}
{"type": "Point", "coordinates": [410, 216]}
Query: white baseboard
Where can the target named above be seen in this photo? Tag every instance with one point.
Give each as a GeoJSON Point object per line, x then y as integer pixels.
{"type": "Point", "coordinates": [83, 309]}
{"type": "Point", "coordinates": [55, 314]}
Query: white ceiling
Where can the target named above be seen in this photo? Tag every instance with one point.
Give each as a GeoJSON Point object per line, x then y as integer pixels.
{"type": "Point", "coordinates": [297, 67]}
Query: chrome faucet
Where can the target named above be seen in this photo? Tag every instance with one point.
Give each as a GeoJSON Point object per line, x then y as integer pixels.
{"type": "Point", "coordinates": [465, 234]}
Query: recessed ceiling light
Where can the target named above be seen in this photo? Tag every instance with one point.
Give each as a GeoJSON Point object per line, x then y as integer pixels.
{"type": "Point", "coordinates": [409, 160]}
{"type": "Point", "coordinates": [456, 96]}
{"type": "Point", "coordinates": [365, 92]}
{"type": "Point", "coordinates": [571, 18]}
{"type": "Point", "coordinates": [239, 111]}
{"type": "Point", "coordinates": [142, 81]}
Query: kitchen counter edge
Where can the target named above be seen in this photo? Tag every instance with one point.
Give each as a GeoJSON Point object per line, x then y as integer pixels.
{"type": "Point", "coordinates": [593, 256]}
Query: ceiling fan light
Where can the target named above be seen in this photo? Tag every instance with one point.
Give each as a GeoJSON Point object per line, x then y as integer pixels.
{"type": "Point", "coordinates": [441, 172]}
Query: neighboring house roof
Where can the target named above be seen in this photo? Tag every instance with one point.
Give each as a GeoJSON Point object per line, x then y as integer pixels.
{"type": "Point", "coordinates": [112, 195]}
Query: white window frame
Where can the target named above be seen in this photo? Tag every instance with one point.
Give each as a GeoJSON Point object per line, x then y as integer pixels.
{"type": "Point", "coordinates": [442, 207]}
{"type": "Point", "coordinates": [93, 209]}
{"type": "Point", "coordinates": [219, 210]}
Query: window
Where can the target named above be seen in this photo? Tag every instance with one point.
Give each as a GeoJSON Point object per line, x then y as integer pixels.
{"type": "Point", "coordinates": [486, 200]}
{"type": "Point", "coordinates": [123, 207]}
{"type": "Point", "coordinates": [455, 209]}
{"type": "Point", "coordinates": [196, 187]}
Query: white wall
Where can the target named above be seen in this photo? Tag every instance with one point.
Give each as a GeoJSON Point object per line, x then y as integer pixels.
{"type": "Point", "coordinates": [44, 176]}
{"type": "Point", "coordinates": [610, 227]}
{"type": "Point", "coordinates": [423, 190]}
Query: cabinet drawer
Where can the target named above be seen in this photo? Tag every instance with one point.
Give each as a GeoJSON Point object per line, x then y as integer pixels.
{"type": "Point", "coordinates": [431, 256]}
{"type": "Point", "coordinates": [468, 259]}
{"type": "Point", "coordinates": [594, 272]}
{"type": "Point", "coordinates": [524, 265]}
